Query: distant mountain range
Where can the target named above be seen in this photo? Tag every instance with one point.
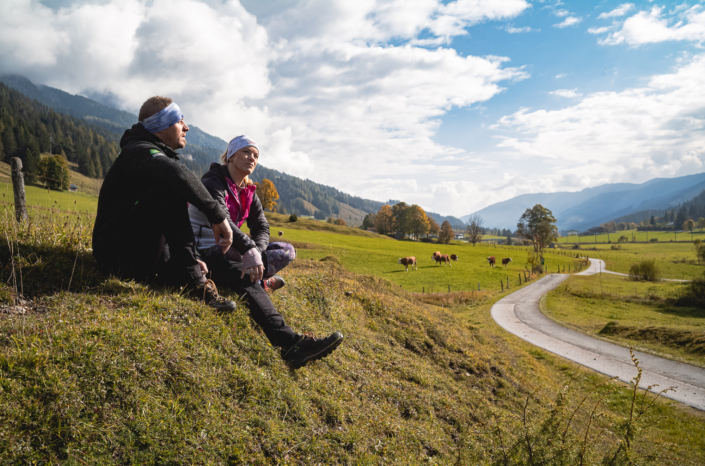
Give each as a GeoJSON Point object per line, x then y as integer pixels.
{"type": "Point", "coordinates": [578, 210]}
{"type": "Point", "coordinates": [593, 206]}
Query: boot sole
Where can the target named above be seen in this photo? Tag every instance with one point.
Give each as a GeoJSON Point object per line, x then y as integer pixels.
{"type": "Point", "coordinates": [320, 355]}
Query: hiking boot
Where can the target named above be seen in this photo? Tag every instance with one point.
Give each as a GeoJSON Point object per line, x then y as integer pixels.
{"type": "Point", "coordinates": [310, 348]}
{"type": "Point", "coordinates": [273, 283]}
{"type": "Point", "coordinates": [208, 295]}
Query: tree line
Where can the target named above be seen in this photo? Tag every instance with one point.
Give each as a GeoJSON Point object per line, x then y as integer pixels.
{"type": "Point", "coordinates": [658, 219]}
{"type": "Point", "coordinates": [28, 128]}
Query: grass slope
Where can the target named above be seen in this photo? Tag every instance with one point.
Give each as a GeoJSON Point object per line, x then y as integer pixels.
{"type": "Point", "coordinates": [94, 370]}
{"type": "Point", "coordinates": [638, 314]}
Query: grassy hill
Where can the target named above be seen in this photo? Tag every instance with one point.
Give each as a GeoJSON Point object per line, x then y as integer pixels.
{"type": "Point", "coordinates": [95, 370]}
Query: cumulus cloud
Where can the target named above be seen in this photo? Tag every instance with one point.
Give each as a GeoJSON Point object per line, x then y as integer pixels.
{"type": "Point", "coordinates": [561, 75]}
{"type": "Point", "coordinates": [621, 10]}
{"type": "Point", "coordinates": [644, 27]}
{"type": "Point", "coordinates": [569, 21]}
{"type": "Point", "coordinates": [633, 135]}
{"type": "Point", "coordinates": [567, 93]}
{"type": "Point", "coordinates": [344, 93]}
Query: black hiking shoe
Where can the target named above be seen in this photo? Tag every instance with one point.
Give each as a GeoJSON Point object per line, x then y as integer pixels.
{"type": "Point", "coordinates": [208, 295]}
{"type": "Point", "coordinates": [310, 348]}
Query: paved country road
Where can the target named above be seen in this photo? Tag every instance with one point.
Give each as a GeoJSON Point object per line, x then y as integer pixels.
{"type": "Point", "coordinates": [519, 313]}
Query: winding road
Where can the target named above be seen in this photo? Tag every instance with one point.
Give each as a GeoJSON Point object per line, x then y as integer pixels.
{"type": "Point", "coordinates": [519, 314]}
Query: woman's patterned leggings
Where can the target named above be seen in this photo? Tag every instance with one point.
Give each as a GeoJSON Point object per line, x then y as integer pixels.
{"type": "Point", "coordinates": [275, 257]}
{"type": "Point", "coordinates": [279, 255]}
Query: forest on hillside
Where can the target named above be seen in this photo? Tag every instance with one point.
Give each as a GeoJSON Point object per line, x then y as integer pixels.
{"type": "Point", "coordinates": [28, 128]}
{"type": "Point", "coordinates": [659, 219]}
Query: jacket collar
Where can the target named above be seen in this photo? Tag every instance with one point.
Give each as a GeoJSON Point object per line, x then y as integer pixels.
{"type": "Point", "coordinates": [138, 134]}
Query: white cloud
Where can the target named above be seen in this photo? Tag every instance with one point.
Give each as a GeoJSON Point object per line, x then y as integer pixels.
{"type": "Point", "coordinates": [569, 21]}
{"type": "Point", "coordinates": [513, 30]}
{"type": "Point", "coordinates": [567, 93]}
{"type": "Point", "coordinates": [561, 13]}
{"type": "Point", "coordinates": [561, 75]}
{"type": "Point", "coordinates": [633, 135]}
{"type": "Point", "coordinates": [345, 93]}
{"type": "Point", "coordinates": [653, 26]}
{"type": "Point", "coordinates": [621, 10]}
{"type": "Point", "coordinates": [600, 30]}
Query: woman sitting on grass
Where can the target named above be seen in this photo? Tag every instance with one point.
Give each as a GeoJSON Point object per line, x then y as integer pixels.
{"type": "Point", "coordinates": [250, 265]}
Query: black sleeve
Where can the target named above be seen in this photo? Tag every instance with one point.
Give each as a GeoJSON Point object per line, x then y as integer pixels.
{"type": "Point", "coordinates": [241, 242]}
{"type": "Point", "coordinates": [258, 224]}
{"type": "Point", "coordinates": [160, 169]}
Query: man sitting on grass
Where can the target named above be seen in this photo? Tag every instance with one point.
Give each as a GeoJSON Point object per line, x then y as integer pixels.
{"type": "Point", "coordinates": [142, 230]}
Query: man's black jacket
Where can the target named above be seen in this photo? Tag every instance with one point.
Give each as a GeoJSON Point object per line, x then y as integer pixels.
{"type": "Point", "coordinates": [145, 163]}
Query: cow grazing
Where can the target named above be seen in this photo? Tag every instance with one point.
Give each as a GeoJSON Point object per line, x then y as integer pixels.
{"type": "Point", "coordinates": [491, 261]}
{"type": "Point", "coordinates": [408, 261]}
{"type": "Point", "coordinates": [435, 254]}
{"type": "Point", "coordinates": [506, 261]}
{"type": "Point", "coordinates": [281, 233]}
{"type": "Point", "coordinates": [445, 258]}
{"type": "Point", "coordinates": [454, 257]}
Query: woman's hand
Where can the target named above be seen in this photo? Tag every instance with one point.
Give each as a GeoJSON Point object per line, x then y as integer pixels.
{"type": "Point", "coordinates": [256, 273]}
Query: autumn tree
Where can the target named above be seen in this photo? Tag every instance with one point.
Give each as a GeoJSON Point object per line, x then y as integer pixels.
{"type": "Point", "coordinates": [418, 221]}
{"type": "Point", "coordinates": [330, 220]}
{"type": "Point", "coordinates": [474, 229]}
{"type": "Point", "coordinates": [537, 225]}
{"type": "Point", "coordinates": [384, 220]}
{"type": "Point", "coordinates": [701, 223]}
{"type": "Point", "coordinates": [340, 221]}
{"type": "Point", "coordinates": [688, 225]}
{"type": "Point", "coordinates": [446, 233]}
{"type": "Point", "coordinates": [433, 227]}
{"type": "Point", "coordinates": [267, 193]}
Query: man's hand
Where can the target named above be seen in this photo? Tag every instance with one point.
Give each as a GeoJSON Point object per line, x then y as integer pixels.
{"type": "Point", "coordinates": [256, 273]}
{"type": "Point", "coordinates": [223, 229]}
{"type": "Point", "coordinates": [203, 266]}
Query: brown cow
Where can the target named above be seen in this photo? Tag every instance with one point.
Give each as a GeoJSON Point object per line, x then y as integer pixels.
{"type": "Point", "coordinates": [491, 261]}
{"type": "Point", "coordinates": [281, 233]}
{"type": "Point", "coordinates": [445, 258]}
{"type": "Point", "coordinates": [506, 261]}
{"type": "Point", "coordinates": [437, 253]}
{"type": "Point", "coordinates": [454, 257]}
{"type": "Point", "coordinates": [408, 261]}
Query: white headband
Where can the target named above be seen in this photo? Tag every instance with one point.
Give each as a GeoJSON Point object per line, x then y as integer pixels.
{"type": "Point", "coordinates": [240, 142]}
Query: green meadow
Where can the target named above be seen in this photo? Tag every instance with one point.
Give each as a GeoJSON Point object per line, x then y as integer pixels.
{"type": "Point", "coordinates": [676, 260]}
{"type": "Point", "coordinates": [632, 235]}
{"type": "Point", "coordinates": [379, 257]}
{"type": "Point", "coordinates": [45, 198]}
{"type": "Point", "coordinates": [638, 314]}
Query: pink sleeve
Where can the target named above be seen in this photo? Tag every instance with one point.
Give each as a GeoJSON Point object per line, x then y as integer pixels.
{"type": "Point", "coordinates": [252, 258]}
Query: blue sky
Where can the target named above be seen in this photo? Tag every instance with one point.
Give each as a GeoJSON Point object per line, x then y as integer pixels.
{"type": "Point", "coordinates": [453, 105]}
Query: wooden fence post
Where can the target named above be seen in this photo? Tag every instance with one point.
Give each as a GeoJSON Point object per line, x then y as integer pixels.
{"type": "Point", "coordinates": [501, 283]}
{"type": "Point", "coordinates": [18, 188]}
